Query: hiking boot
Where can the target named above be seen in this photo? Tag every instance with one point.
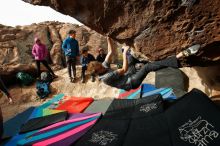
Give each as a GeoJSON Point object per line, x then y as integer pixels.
{"type": "Point", "coordinates": [71, 80]}
{"type": "Point", "coordinates": [93, 78]}
{"type": "Point", "coordinates": [83, 80]}
{"type": "Point", "coordinates": [55, 76]}
{"type": "Point", "coordinates": [138, 66]}
{"type": "Point", "coordinates": [10, 101]}
{"type": "Point", "coordinates": [191, 50]}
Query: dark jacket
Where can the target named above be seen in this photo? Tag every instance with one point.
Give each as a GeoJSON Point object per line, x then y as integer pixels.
{"type": "Point", "coordinates": [85, 60]}
{"type": "Point", "coordinates": [101, 58]}
{"type": "Point", "coordinates": [70, 47]}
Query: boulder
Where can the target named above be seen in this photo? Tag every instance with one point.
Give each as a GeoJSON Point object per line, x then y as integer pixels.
{"type": "Point", "coordinates": [156, 28]}
{"type": "Point", "coordinates": [16, 45]}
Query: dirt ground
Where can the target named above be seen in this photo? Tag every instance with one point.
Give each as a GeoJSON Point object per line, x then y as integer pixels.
{"type": "Point", "coordinates": [205, 79]}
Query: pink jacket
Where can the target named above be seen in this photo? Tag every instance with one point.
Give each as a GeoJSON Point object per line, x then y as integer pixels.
{"type": "Point", "coordinates": [39, 51]}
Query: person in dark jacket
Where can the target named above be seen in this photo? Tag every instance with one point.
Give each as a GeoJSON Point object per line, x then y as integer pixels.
{"type": "Point", "coordinates": [84, 60]}
{"type": "Point", "coordinates": [101, 56]}
{"type": "Point", "coordinates": [71, 50]}
{"type": "Point", "coordinates": [5, 90]}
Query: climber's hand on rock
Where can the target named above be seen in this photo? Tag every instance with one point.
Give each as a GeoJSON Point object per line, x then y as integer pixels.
{"type": "Point", "coordinates": [126, 48]}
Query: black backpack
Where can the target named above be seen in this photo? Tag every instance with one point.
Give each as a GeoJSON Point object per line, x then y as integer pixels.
{"type": "Point", "coordinates": [24, 78]}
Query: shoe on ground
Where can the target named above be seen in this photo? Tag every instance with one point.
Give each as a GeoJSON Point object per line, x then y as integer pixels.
{"type": "Point", "coordinates": [71, 80]}
{"type": "Point", "coordinates": [191, 50]}
{"type": "Point", "coordinates": [10, 101]}
{"type": "Point", "coordinates": [92, 78]}
{"type": "Point", "coordinates": [83, 80]}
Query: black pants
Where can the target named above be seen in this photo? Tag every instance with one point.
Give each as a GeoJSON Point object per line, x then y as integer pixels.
{"type": "Point", "coordinates": [3, 88]}
{"type": "Point", "coordinates": [44, 62]}
{"type": "Point", "coordinates": [1, 124]}
{"type": "Point", "coordinates": [138, 77]}
{"type": "Point", "coordinates": [71, 65]}
{"type": "Point", "coordinates": [84, 68]}
{"type": "Point", "coordinates": [131, 64]}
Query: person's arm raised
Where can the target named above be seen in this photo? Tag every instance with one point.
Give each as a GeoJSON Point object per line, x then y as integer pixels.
{"type": "Point", "coordinates": [110, 50]}
{"type": "Point", "coordinates": [124, 68]}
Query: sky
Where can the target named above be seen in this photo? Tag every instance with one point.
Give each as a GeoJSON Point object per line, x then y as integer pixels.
{"type": "Point", "coordinates": [17, 12]}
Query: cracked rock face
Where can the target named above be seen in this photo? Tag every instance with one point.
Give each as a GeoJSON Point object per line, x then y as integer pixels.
{"type": "Point", "coordinates": [157, 28]}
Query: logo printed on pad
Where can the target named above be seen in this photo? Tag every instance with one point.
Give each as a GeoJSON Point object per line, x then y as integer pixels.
{"type": "Point", "coordinates": [148, 107]}
{"type": "Point", "coordinates": [103, 137]}
{"type": "Point", "coordinates": [199, 132]}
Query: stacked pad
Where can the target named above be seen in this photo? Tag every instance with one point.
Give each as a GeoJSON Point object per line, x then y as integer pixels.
{"type": "Point", "coordinates": [45, 115]}
{"type": "Point", "coordinates": [132, 94]}
{"type": "Point", "coordinates": [112, 129]}
{"type": "Point", "coordinates": [147, 123]}
{"type": "Point", "coordinates": [194, 121]}
{"type": "Point", "coordinates": [44, 110]}
{"type": "Point", "coordinates": [62, 133]}
{"type": "Point", "coordinates": [12, 126]}
{"type": "Point", "coordinates": [99, 106]}
{"type": "Point", "coordinates": [191, 121]}
{"type": "Point", "coordinates": [124, 108]}
{"type": "Point", "coordinates": [148, 130]}
{"type": "Point", "coordinates": [13, 141]}
{"type": "Point", "coordinates": [75, 104]}
{"type": "Point", "coordinates": [107, 132]}
{"type": "Point", "coordinates": [41, 122]}
{"type": "Point", "coordinates": [148, 126]}
{"type": "Point", "coordinates": [148, 90]}
{"type": "Point", "coordinates": [173, 78]}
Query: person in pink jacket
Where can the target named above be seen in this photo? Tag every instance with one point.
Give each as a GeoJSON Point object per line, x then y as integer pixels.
{"type": "Point", "coordinates": [40, 53]}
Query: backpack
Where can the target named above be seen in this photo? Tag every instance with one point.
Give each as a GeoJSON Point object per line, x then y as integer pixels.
{"type": "Point", "coordinates": [43, 89]}
{"type": "Point", "coordinates": [46, 77]}
{"type": "Point", "coordinates": [25, 78]}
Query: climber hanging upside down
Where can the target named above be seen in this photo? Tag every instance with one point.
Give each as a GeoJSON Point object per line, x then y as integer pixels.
{"type": "Point", "coordinates": [128, 77]}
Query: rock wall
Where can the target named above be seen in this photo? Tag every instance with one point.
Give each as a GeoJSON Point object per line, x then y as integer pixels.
{"type": "Point", "coordinates": [157, 28]}
{"type": "Point", "coordinates": [16, 45]}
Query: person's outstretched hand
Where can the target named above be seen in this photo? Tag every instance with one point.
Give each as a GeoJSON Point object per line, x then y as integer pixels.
{"type": "Point", "coordinates": [108, 38]}
{"type": "Point", "coordinates": [10, 101]}
{"type": "Point", "coordinates": [126, 48]}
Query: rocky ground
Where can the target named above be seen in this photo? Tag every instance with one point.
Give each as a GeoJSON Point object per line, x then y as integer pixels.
{"type": "Point", "coordinates": [204, 79]}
